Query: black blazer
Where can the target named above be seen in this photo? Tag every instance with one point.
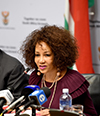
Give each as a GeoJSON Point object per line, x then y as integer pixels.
{"type": "Point", "coordinates": [10, 70]}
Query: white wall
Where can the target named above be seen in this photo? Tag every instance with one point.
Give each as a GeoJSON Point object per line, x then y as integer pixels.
{"type": "Point", "coordinates": [24, 17]}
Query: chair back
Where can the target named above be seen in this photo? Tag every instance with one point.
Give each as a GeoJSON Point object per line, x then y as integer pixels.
{"type": "Point", "coordinates": [94, 89]}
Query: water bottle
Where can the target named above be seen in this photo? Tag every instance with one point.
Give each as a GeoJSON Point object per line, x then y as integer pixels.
{"type": "Point", "coordinates": [65, 101]}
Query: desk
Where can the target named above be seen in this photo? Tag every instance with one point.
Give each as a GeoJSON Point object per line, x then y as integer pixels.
{"type": "Point", "coordinates": [53, 112]}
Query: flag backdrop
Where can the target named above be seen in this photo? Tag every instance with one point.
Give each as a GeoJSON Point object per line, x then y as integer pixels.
{"type": "Point", "coordinates": [77, 21]}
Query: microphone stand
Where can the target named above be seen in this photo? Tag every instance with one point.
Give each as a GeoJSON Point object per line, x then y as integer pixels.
{"type": "Point", "coordinates": [33, 112]}
{"type": "Point", "coordinates": [34, 107]}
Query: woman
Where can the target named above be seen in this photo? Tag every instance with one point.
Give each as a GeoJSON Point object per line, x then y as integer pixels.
{"type": "Point", "coordinates": [51, 51]}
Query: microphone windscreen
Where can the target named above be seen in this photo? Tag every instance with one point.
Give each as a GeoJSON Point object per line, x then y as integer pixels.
{"type": "Point", "coordinates": [46, 91]}
{"type": "Point", "coordinates": [26, 91]}
{"type": "Point", "coordinates": [29, 89]}
{"type": "Point", "coordinates": [2, 102]}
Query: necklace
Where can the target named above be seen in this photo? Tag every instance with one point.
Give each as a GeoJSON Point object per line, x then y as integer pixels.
{"type": "Point", "coordinates": [55, 81]}
{"type": "Point", "coordinates": [51, 84]}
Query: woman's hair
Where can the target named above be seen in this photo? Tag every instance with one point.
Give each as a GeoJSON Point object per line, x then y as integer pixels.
{"type": "Point", "coordinates": [61, 42]}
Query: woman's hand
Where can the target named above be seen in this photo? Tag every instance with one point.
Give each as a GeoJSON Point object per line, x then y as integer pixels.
{"type": "Point", "coordinates": [44, 112]}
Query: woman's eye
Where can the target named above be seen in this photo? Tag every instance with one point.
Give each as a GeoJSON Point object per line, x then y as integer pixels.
{"type": "Point", "coordinates": [37, 55]}
{"type": "Point", "coordinates": [47, 54]}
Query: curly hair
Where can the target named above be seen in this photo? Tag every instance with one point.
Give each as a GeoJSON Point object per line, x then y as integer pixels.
{"type": "Point", "coordinates": [62, 44]}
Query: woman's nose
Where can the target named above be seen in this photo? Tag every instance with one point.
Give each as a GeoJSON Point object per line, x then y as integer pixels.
{"type": "Point", "coordinates": [42, 59]}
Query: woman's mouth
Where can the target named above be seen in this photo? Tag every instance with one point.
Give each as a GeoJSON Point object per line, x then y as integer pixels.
{"type": "Point", "coordinates": [42, 67]}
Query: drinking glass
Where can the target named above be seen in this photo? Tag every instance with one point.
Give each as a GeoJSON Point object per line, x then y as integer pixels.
{"type": "Point", "coordinates": [78, 108]}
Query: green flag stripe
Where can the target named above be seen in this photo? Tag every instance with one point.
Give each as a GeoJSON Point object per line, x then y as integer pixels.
{"type": "Point", "coordinates": [90, 3]}
{"type": "Point", "coordinates": [66, 24]}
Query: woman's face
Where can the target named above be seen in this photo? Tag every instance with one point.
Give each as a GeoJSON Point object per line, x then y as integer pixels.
{"type": "Point", "coordinates": [44, 57]}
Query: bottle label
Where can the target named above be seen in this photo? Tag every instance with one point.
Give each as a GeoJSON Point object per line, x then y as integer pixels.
{"type": "Point", "coordinates": [65, 105]}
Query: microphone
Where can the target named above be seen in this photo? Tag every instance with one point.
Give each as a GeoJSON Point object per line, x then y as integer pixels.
{"type": "Point", "coordinates": [6, 96]}
{"type": "Point", "coordinates": [25, 72]}
{"type": "Point", "coordinates": [26, 91]}
{"type": "Point", "coordinates": [38, 97]}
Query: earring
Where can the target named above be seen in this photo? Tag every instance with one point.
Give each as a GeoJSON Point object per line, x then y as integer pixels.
{"type": "Point", "coordinates": [38, 72]}
{"type": "Point", "coordinates": [58, 72]}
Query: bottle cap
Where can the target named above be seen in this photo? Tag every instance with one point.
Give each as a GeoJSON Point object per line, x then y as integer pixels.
{"type": "Point", "coordinates": [65, 90]}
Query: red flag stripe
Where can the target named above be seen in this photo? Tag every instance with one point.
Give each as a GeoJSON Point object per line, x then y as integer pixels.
{"type": "Point", "coordinates": [79, 12]}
